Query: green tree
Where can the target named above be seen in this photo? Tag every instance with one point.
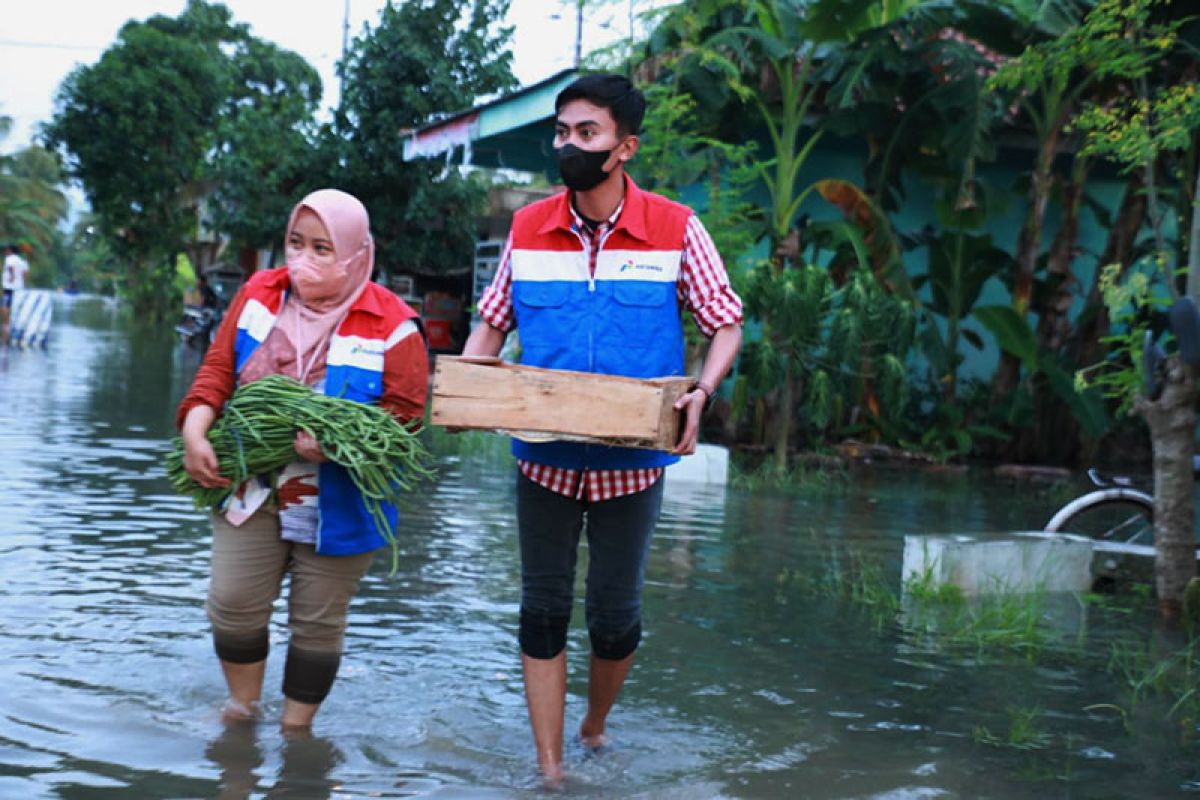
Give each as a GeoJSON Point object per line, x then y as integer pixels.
{"type": "Point", "coordinates": [32, 205]}
{"type": "Point", "coordinates": [134, 129]}
{"type": "Point", "coordinates": [1160, 119]}
{"type": "Point", "coordinates": [266, 154]}
{"type": "Point", "coordinates": [87, 259]}
{"type": "Point", "coordinates": [140, 127]}
{"type": "Point", "coordinates": [1050, 80]}
{"type": "Point", "coordinates": [425, 59]}
{"type": "Point", "coordinates": [31, 199]}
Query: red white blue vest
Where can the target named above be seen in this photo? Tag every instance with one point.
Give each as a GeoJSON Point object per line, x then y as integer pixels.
{"type": "Point", "coordinates": [354, 371]}
{"type": "Point", "coordinates": [624, 320]}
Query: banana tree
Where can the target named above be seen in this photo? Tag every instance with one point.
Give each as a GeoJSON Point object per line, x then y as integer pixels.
{"type": "Point", "coordinates": [676, 152]}
{"type": "Point", "coordinates": [750, 68]}
{"type": "Point", "coordinates": [1049, 82]}
{"type": "Point", "coordinates": [961, 260]}
{"type": "Point", "coordinates": [834, 352]}
{"type": "Point", "coordinates": [772, 47]}
{"type": "Point", "coordinates": [777, 65]}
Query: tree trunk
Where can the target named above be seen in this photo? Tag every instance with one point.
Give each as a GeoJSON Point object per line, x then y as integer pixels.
{"type": "Point", "coordinates": [1028, 246]}
{"type": "Point", "coordinates": [1193, 279]}
{"type": "Point", "coordinates": [1053, 325]}
{"type": "Point", "coordinates": [1093, 323]}
{"type": "Point", "coordinates": [954, 323]}
{"type": "Point", "coordinates": [1055, 435]}
{"type": "Point", "coordinates": [783, 421]}
{"type": "Point", "coordinates": [1172, 421]}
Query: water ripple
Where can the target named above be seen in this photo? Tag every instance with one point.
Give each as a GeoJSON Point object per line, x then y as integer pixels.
{"type": "Point", "coordinates": [743, 688]}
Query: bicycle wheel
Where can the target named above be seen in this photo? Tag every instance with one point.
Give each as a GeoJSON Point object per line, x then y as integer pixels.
{"type": "Point", "coordinates": [1115, 515]}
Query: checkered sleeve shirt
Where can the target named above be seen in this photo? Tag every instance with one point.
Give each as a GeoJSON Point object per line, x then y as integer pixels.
{"type": "Point", "coordinates": [703, 290]}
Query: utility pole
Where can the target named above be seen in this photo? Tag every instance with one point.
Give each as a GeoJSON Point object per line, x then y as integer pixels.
{"type": "Point", "coordinates": [578, 32]}
{"type": "Point", "coordinates": [630, 57]}
{"type": "Point", "coordinates": [345, 47]}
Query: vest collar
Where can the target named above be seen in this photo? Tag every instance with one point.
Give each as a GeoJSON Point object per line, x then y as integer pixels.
{"type": "Point", "coordinates": [632, 219]}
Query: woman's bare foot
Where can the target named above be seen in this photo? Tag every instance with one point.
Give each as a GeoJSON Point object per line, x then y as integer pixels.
{"type": "Point", "coordinates": [233, 711]}
{"type": "Point", "coordinates": [298, 716]}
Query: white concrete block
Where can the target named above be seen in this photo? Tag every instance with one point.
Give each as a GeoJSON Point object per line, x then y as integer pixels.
{"type": "Point", "coordinates": [1018, 563]}
{"type": "Point", "coordinates": [709, 464]}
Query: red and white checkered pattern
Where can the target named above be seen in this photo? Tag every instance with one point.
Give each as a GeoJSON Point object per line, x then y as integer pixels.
{"type": "Point", "coordinates": [592, 485]}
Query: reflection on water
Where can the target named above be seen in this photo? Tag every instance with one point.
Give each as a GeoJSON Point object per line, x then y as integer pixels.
{"type": "Point", "coordinates": [305, 765]}
{"type": "Point", "coordinates": [745, 687]}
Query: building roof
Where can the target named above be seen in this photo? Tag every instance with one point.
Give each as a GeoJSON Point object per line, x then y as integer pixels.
{"type": "Point", "coordinates": [513, 131]}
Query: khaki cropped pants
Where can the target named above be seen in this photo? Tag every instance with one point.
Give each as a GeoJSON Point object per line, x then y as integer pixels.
{"type": "Point", "coordinates": [248, 566]}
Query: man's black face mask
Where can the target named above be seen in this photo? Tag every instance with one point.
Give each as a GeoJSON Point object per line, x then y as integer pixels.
{"type": "Point", "coordinates": [581, 170]}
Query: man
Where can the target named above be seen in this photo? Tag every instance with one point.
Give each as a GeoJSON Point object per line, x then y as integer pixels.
{"type": "Point", "coordinates": [594, 279]}
{"type": "Point", "coordinates": [208, 296]}
{"type": "Point", "coordinates": [13, 280]}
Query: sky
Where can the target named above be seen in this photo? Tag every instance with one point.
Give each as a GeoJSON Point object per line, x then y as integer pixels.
{"type": "Point", "coordinates": [42, 40]}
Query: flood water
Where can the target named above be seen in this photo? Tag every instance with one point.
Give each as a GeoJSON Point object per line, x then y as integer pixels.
{"type": "Point", "coordinates": [749, 684]}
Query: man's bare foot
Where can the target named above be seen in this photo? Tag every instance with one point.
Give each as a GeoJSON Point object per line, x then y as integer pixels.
{"type": "Point", "coordinates": [592, 736]}
{"type": "Point", "coordinates": [552, 773]}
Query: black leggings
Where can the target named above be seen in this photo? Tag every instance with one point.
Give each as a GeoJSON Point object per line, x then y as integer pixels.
{"type": "Point", "coordinates": [618, 534]}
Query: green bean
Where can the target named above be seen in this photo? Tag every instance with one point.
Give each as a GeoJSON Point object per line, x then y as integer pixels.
{"type": "Point", "coordinates": [256, 433]}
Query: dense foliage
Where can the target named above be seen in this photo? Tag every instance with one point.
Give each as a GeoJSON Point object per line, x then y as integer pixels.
{"type": "Point", "coordinates": [190, 129]}
{"type": "Point", "coordinates": [421, 62]}
{"type": "Point", "coordinates": [32, 205]}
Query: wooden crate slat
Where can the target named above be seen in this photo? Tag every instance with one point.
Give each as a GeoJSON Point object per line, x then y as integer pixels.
{"type": "Point", "coordinates": [578, 405]}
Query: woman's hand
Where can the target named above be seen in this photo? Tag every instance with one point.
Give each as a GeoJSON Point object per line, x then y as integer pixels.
{"type": "Point", "coordinates": [200, 462]}
{"type": "Point", "coordinates": [308, 448]}
{"type": "Point", "coordinates": [199, 458]}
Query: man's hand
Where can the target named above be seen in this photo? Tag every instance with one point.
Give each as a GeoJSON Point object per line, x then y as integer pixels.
{"type": "Point", "coordinates": [483, 347]}
{"type": "Point", "coordinates": [692, 405]}
{"type": "Point", "coordinates": [721, 352]}
{"type": "Point", "coordinates": [308, 448]}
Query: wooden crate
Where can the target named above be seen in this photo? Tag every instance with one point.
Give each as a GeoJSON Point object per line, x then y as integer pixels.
{"type": "Point", "coordinates": [547, 404]}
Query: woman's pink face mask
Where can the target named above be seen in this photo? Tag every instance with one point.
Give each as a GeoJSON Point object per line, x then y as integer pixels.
{"type": "Point", "coordinates": [313, 267]}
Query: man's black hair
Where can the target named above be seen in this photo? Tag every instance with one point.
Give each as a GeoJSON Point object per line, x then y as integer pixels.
{"type": "Point", "coordinates": [623, 100]}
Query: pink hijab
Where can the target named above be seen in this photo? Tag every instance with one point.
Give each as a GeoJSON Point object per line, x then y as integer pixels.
{"type": "Point", "coordinates": [298, 345]}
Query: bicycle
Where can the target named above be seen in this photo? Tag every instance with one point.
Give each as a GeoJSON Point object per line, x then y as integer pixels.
{"type": "Point", "coordinates": [1116, 511]}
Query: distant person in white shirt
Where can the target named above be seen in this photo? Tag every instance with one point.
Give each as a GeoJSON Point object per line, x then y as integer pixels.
{"type": "Point", "coordinates": [15, 269]}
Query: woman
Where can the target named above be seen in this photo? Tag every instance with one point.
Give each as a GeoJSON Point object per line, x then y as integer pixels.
{"type": "Point", "coordinates": [321, 320]}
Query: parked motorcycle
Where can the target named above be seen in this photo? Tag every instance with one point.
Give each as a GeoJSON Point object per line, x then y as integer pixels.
{"type": "Point", "coordinates": [198, 326]}
{"type": "Point", "coordinates": [215, 288]}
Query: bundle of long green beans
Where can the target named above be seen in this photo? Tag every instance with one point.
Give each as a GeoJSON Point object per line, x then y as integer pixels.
{"type": "Point", "coordinates": [256, 433]}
